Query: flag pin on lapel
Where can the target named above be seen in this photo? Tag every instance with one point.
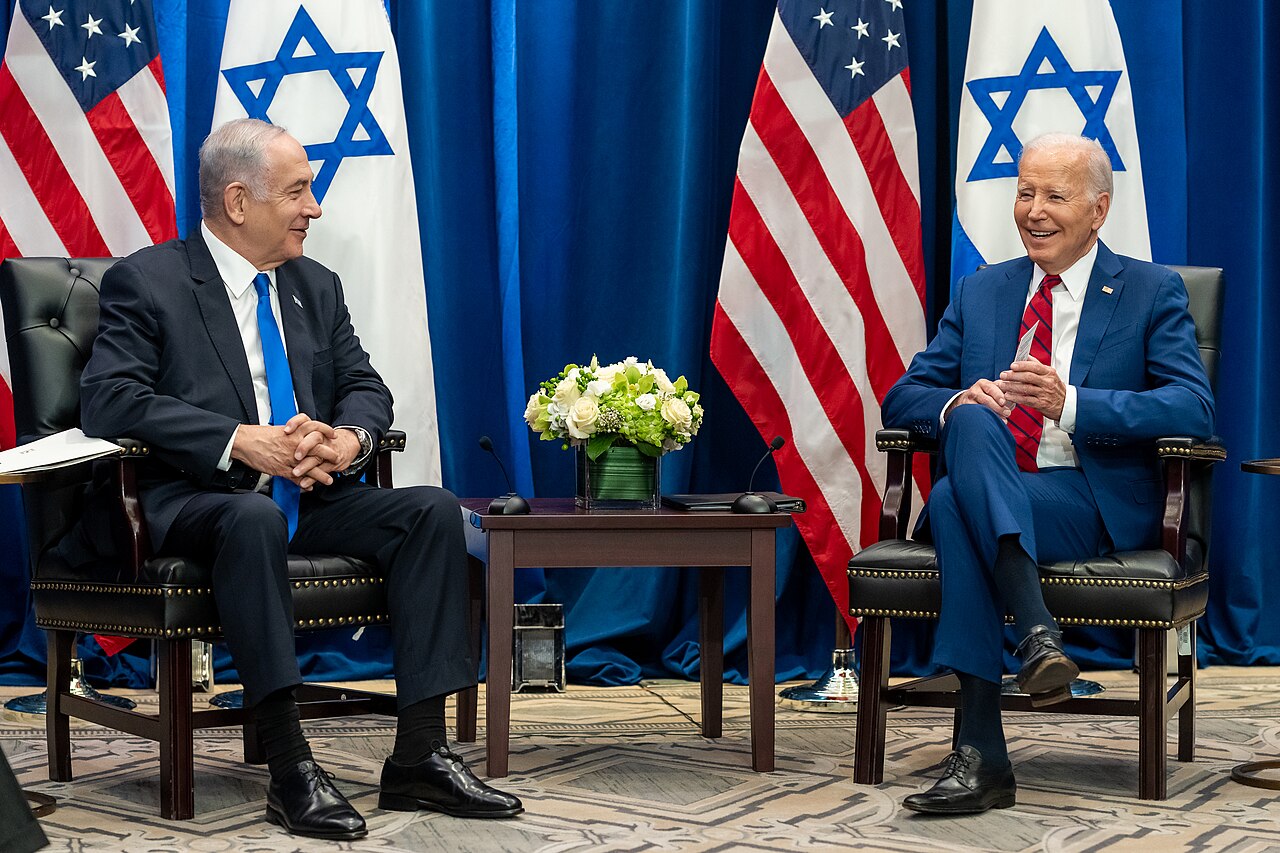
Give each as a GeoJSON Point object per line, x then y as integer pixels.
{"type": "Point", "coordinates": [298, 301]}
{"type": "Point", "coordinates": [1105, 289]}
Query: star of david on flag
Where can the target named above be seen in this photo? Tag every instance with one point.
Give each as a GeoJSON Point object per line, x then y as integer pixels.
{"type": "Point", "coordinates": [1036, 67]}
{"type": "Point", "coordinates": [1045, 54]}
{"type": "Point", "coordinates": [305, 50]}
{"type": "Point", "coordinates": [328, 72]}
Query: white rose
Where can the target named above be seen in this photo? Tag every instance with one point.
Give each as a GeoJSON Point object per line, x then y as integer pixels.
{"type": "Point", "coordinates": [533, 410]}
{"type": "Point", "coordinates": [581, 419]}
{"type": "Point", "coordinates": [648, 402]}
{"type": "Point", "coordinates": [610, 371]}
{"type": "Point", "coordinates": [599, 387]}
{"type": "Point", "coordinates": [676, 412]}
{"type": "Point", "coordinates": [567, 393]}
{"type": "Point", "coordinates": [662, 381]}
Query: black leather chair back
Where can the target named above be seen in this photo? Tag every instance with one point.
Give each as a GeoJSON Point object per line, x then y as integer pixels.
{"type": "Point", "coordinates": [1206, 288]}
{"type": "Point", "coordinates": [50, 319]}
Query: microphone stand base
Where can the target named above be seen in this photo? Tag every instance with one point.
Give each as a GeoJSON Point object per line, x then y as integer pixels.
{"type": "Point", "coordinates": [835, 692]}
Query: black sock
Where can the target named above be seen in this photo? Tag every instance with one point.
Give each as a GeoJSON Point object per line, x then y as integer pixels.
{"type": "Point", "coordinates": [1018, 580]}
{"type": "Point", "coordinates": [980, 725]}
{"type": "Point", "coordinates": [419, 730]}
{"type": "Point", "coordinates": [280, 732]}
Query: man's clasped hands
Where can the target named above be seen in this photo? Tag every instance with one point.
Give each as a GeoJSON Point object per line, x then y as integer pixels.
{"type": "Point", "coordinates": [303, 450]}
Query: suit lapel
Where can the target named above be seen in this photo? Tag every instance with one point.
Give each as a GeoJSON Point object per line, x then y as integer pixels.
{"type": "Point", "coordinates": [297, 336]}
{"type": "Point", "coordinates": [1008, 314]}
{"type": "Point", "coordinates": [1095, 315]}
{"type": "Point", "coordinates": [220, 322]}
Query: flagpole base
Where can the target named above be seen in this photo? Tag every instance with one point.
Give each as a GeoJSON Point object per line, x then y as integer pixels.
{"type": "Point", "coordinates": [835, 692]}
{"type": "Point", "coordinates": [229, 699]}
{"type": "Point", "coordinates": [36, 703]}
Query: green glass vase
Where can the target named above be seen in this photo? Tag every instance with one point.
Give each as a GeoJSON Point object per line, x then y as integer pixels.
{"type": "Point", "coordinates": [620, 478]}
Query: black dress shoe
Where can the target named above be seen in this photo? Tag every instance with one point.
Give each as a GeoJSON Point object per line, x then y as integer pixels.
{"type": "Point", "coordinates": [1047, 672]}
{"type": "Point", "coordinates": [442, 783]}
{"type": "Point", "coordinates": [967, 786]}
{"type": "Point", "coordinates": [305, 802]}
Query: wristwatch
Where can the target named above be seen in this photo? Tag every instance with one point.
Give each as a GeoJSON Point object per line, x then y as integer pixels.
{"type": "Point", "coordinates": [366, 448]}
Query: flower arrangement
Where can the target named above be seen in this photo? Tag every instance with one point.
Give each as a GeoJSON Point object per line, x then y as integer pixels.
{"type": "Point", "coordinates": [624, 403]}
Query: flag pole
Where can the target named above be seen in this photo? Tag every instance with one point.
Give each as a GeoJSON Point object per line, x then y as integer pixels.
{"type": "Point", "coordinates": [837, 689]}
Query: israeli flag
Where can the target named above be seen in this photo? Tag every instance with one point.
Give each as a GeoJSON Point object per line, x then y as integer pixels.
{"type": "Point", "coordinates": [1036, 66]}
{"type": "Point", "coordinates": [327, 70]}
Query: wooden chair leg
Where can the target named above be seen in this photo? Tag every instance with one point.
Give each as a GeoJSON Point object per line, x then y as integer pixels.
{"type": "Point", "coordinates": [868, 750]}
{"type": "Point", "coordinates": [1187, 713]}
{"type": "Point", "coordinates": [57, 725]}
{"type": "Point", "coordinates": [955, 730]}
{"type": "Point", "coordinates": [177, 736]}
{"type": "Point", "coordinates": [465, 701]}
{"type": "Point", "coordinates": [1152, 743]}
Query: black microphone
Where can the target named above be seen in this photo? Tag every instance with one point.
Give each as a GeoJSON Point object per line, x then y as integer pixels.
{"type": "Point", "coordinates": [749, 501]}
{"type": "Point", "coordinates": [510, 503]}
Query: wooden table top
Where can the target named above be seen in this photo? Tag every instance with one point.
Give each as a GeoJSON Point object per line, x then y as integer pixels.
{"type": "Point", "coordinates": [1261, 466]}
{"type": "Point", "coordinates": [562, 513]}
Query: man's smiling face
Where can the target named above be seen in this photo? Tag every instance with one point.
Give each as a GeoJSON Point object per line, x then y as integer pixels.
{"type": "Point", "coordinates": [1057, 216]}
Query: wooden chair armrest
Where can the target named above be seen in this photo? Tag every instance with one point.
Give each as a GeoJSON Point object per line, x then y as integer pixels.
{"type": "Point", "coordinates": [379, 473]}
{"type": "Point", "coordinates": [1186, 447]}
{"type": "Point", "coordinates": [901, 445]}
{"type": "Point", "coordinates": [1178, 453]}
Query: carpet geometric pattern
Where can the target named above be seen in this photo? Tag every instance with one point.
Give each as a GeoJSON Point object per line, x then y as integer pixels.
{"type": "Point", "coordinates": [624, 769]}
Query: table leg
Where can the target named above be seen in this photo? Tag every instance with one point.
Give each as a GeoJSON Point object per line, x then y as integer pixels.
{"type": "Point", "coordinates": [497, 711]}
{"type": "Point", "coordinates": [760, 663]}
{"type": "Point", "coordinates": [711, 653]}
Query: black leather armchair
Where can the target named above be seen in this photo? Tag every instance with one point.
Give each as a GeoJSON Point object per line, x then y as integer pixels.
{"type": "Point", "coordinates": [51, 318]}
{"type": "Point", "coordinates": [1150, 591]}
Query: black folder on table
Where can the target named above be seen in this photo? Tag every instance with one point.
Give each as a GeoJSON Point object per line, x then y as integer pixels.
{"type": "Point", "coordinates": [724, 502]}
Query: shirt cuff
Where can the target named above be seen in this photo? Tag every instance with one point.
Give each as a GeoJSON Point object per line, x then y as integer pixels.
{"type": "Point", "coordinates": [1067, 422]}
{"type": "Point", "coordinates": [224, 464]}
{"type": "Point", "coordinates": [942, 416]}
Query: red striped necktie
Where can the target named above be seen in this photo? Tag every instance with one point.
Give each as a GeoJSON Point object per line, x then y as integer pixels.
{"type": "Point", "coordinates": [1026, 424]}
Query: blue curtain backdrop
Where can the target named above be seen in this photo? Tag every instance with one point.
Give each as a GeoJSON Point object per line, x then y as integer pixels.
{"type": "Point", "coordinates": [574, 164]}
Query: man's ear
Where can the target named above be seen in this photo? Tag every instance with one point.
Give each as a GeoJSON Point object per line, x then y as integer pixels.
{"type": "Point", "coordinates": [1100, 210]}
{"type": "Point", "coordinates": [233, 202]}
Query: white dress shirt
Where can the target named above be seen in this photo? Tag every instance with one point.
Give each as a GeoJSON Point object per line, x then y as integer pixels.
{"type": "Point", "coordinates": [237, 276]}
{"type": "Point", "coordinates": [1056, 449]}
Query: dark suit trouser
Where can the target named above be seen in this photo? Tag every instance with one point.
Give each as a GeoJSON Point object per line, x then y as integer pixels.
{"type": "Point", "coordinates": [982, 497]}
{"type": "Point", "coordinates": [413, 534]}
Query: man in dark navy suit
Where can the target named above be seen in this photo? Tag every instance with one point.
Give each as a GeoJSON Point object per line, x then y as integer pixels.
{"type": "Point", "coordinates": [234, 358]}
{"type": "Point", "coordinates": [1046, 457]}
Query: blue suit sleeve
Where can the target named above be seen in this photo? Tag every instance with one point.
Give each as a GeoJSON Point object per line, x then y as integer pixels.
{"type": "Point", "coordinates": [916, 400]}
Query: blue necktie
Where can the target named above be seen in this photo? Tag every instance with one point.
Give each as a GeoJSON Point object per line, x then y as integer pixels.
{"type": "Point", "coordinates": [284, 492]}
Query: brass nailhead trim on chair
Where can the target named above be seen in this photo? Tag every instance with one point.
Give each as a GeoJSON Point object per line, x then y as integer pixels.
{"type": "Point", "coordinates": [1062, 620]}
{"type": "Point", "coordinates": [894, 574]}
{"type": "Point", "coordinates": [895, 444]}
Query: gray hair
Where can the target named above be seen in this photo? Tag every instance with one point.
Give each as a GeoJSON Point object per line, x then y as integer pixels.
{"type": "Point", "coordinates": [235, 151]}
{"type": "Point", "coordinates": [1097, 165]}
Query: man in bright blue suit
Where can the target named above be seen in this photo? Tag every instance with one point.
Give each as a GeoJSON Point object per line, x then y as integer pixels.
{"type": "Point", "coordinates": [1044, 431]}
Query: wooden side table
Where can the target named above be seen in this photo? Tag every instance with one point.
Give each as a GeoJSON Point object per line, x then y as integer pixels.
{"type": "Point", "coordinates": [1248, 773]}
{"type": "Point", "coordinates": [556, 534]}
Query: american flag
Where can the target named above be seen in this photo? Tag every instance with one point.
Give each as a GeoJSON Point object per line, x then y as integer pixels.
{"type": "Point", "coordinates": [821, 302]}
{"type": "Point", "coordinates": [86, 157]}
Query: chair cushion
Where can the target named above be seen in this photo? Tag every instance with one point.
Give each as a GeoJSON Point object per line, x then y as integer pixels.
{"type": "Point", "coordinates": [173, 597]}
{"type": "Point", "coordinates": [1132, 589]}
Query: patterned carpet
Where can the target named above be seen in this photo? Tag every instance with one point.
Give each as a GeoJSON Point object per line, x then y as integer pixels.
{"type": "Point", "coordinates": [624, 769]}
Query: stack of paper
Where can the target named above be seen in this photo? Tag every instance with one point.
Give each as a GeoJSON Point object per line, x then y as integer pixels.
{"type": "Point", "coordinates": [55, 451]}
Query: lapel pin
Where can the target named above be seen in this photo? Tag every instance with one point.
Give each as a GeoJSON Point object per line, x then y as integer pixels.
{"type": "Point", "coordinates": [1105, 289]}
{"type": "Point", "coordinates": [298, 301]}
